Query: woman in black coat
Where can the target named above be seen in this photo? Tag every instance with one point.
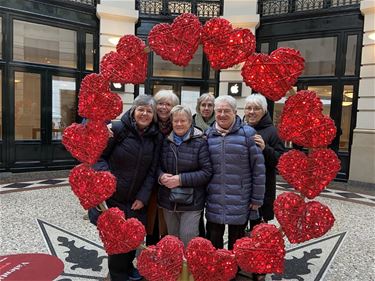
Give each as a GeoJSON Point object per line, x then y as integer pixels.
{"type": "Point", "coordinates": [185, 170]}
{"type": "Point", "coordinates": [132, 157]}
{"type": "Point", "coordinates": [272, 146]}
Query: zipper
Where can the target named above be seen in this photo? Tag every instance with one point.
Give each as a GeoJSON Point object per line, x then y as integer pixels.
{"type": "Point", "coordinates": [175, 156]}
{"type": "Point", "coordinates": [137, 167]}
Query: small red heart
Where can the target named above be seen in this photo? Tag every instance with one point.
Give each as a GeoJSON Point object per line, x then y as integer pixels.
{"type": "Point", "coordinates": [302, 221]}
{"type": "Point", "coordinates": [91, 187]}
{"type": "Point", "coordinates": [309, 174]}
{"type": "Point", "coordinates": [96, 101]}
{"type": "Point", "coordinates": [118, 234]}
{"type": "Point", "coordinates": [162, 262]}
{"type": "Point", "coordinates": [303, 123]}
{"type": "Point", "coordinates": [275, 74]}
{"type": "Point", "coordinates": [207, 263]}
{"type": "Point", "coordinates": [86, 142]}
{"type": "Point", "coordinates": [176, 42]}
{"type": "Point", "coordinates": [225, 46]}
{"type": "Point", "coordinates": [128, 64]}
{"type": "Point", "coordinates": [263, 252]}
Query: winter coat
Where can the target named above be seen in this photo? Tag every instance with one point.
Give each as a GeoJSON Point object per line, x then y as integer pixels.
{"type": "Point", "coordinates": [192, 162]}
{"type": "Point", "coordinates": [238, 175]}
{"type": "Point", "coordinates": [133, 162]}
{"type": "Point", "coordinates": [274, 148]}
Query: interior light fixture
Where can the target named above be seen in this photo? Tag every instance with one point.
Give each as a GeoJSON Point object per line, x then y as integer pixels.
{"type": "Point", "coordinates": [113, 40]}
{"type": "Point", "coordinates": [117, 85]}
{"type": "Point", "coordinates": [348, 94]}
{"type": "Point", "coordinates": [346, 103]}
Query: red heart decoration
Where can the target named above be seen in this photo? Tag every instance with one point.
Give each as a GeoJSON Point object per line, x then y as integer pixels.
{"type": "Point", "coordinates": [86, 142]}
{"type": "Point", "coordinates": [309, 174]}
{"type": "Point", "coordinates": [275, 74]}
{"type": "Point", "coordinates": [119, 235]}
{"type": "Point", "coordinates": [206, 263]}
{"type": "Point", "coordinates": [303, 123]}
{"type": "Point", "coordinates": [162, 262]}
{"type": "Point", "coordinates": [91, 187]}
{"type": "Point", "coordinates": [302, 221]}
{"type": "Point", "coordinates": [263, 252]}
{"type": "Point", "coordinates": [177, 42]}
{"type": "Point", "coordinates": [225, 46]}
{"type": "Point", "coordinates": [128, 64]}
{"type": "Point", "coordinates": [96, 102]}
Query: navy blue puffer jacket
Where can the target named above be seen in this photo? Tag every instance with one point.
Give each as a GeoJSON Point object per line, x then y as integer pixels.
{"type": "Point", "coordinates": [239, 175]}
{"type": "Point", "coordinates": [192, 162]}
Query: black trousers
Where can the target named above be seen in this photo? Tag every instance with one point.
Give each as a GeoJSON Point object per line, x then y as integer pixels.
{"type": "Point", "coordinates": [215, 233]}
{"type": "Point", "coordinates": [120, 265]}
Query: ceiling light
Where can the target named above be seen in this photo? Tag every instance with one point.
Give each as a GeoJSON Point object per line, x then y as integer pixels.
{"type": "Point", "coordinates": [117, 85]}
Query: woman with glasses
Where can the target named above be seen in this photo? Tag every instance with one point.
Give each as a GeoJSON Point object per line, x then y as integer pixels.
{"type": "Point", "coordinates": [267, 139]}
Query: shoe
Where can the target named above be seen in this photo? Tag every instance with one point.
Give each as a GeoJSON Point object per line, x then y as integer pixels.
{"type": "Point", "coordinates": [134, 275]}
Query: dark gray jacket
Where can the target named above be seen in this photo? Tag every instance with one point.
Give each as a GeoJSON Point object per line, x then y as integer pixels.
{"type": "Point", "coordinates": [238, 174]}
{"type": "Point", "coordinates": [192, 162]}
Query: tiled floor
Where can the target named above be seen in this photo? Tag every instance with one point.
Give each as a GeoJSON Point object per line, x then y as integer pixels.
{"type": "Point", "coordinates": [44, 216]}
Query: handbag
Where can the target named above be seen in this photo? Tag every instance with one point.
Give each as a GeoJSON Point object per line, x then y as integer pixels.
{"type": "Point", "coordinates": [182, 195]}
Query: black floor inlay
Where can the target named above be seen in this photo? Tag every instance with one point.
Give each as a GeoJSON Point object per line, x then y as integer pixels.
{"type": "Point", "coordinates": [17, 185]}
{"type": "Point", "coordinates": [51, 181]}
{"type": "Point", "coordinates": [349, 195]}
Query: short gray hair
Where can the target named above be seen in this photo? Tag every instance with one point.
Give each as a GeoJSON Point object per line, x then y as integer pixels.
{"type": "Point", "coordinates": [144, 100]}
{"type": "Point", "coordinates": [257, 99]}
{"type": "Point", "coordinates": [227, 99]}
{"type": "Point", "coordinates": [167, 95]}
{"type": "Point", "coordinates": [202, 98]}
{"type": "Point", "coordinates": [182, 109]}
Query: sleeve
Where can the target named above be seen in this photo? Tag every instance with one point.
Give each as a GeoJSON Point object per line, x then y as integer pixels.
{"type": "Point", "coordinates": [144, 192]}
{"type": "Point", "coordinates": [201, 177]}
{"type": "Point", "coordinates": [273, 149]}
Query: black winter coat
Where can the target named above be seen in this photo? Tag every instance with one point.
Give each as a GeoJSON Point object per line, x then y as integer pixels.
{"type": "Point", "coordinates": [191, 161]}
{"type": "Point", "coordinates": [274, 148]}
{"type": "Point", "coordinates": [133, 161]}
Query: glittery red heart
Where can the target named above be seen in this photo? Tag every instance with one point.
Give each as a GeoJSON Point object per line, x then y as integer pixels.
{"type": "Point", "coordinates": [119, 235]}
{"type": "Point", "coordinates": [128, 64]}
{"type": "Point", "coordinates": [263, 252]}
{"type": "Point", "coordinates": [273, 75]}
{"type": "Point", "coordinates": [207, 263]}
{"type": "Point", "coordinates": [91, 187]}
{"type": "Point", "coordinates": [176, 42]}
{"type": "Point", "coordinates": [302, 221]}
{"type": "Point", "coordinates": [309, 174]}
{"type": "Point", "coordinates": [225, 46]}
{"type": "Point", "coordinates": [162, 262]}
{"type": "Point", "coordinates": [86, 142]}
{"type": "Point", "coordinates": [303, 122]}
{"type": "Point", "coordinates": [96, 101]}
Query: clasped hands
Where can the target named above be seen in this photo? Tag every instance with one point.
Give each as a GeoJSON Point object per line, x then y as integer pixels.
{"type": "Point", "coordinates": [169, 180]}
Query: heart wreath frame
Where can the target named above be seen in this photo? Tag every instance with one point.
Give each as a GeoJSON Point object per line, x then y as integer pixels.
{"type": "Point", "coordinates": [129, 65]}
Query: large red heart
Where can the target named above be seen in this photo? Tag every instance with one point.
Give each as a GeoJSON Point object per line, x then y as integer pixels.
{"type": "Point", "coordinates": [177, 42]}
{"type": "Point", "coordinates": [275, 74]}
{"type": "Point", "coordinates": [128, 64]}
{"type": "Point", "coordinates": [303, 122]}
{"type": "Point", "coordinates": [118, 234]}
{"type": "Point", "coordinates": [263, 252]}
{"type": "Point", "coordinates": [91, 187]}
{"type": "Point", "coordinates": [96, 101]}
{"type": "Point", "coordinates": [225, 46]}
{"type": "Point", "coordinates": [86, 142]}
{"type": "Point", "coordinates": [206, 263]}
{"type": "Point", "coordinates": [162, 262]}
{"type": "Point", "coordinates": [302, 221]}
{"type": "Point", "coordinates": [309, 174]}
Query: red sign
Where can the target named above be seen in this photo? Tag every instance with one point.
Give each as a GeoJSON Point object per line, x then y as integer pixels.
{"type": "Point", "coordinates": [38, 267]}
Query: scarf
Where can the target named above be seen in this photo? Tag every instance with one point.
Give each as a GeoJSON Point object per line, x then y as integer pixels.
{"type": "Point", "coordinates": [165, 127]}
{"type": "Point", "coordinates": [180, 139]}
{"type": "Point", "coordinates": [222, 131]}
{"type": "Point", "coordinates": [200, 123]}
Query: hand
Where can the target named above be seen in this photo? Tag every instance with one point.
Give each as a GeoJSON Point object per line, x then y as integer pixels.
{"type": "Point", "coordinates": [137, 205]}
{"type": "Point", "coordinates": [259, 141]}
{"type": "Point", "coordinates": [163, 178]}
{"type": "Point", "coordinates": [173, 181]}
{"type": "Point", "coordinates": [254, 207]}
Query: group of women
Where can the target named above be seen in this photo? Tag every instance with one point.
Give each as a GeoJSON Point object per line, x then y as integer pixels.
{"type": "Point", "coordinates": [170, 166]}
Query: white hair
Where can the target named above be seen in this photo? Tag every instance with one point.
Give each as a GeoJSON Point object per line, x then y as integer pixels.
{"type": "Point", "coordinates": [167, 95]}
{"type": "Point", "coordinates": [257, 99]}
{"type": "Point", "coordinates": [227, 99]}
{"type": "Point", "coordinates": [182, 109]}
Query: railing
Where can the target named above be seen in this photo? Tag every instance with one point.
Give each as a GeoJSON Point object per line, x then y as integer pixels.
{"type": "Point", "coordinates": [277, 7]}
{"type": "Point", "coordinates": [207, 9]}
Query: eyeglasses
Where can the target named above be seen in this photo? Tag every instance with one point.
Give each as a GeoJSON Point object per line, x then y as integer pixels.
{"type": "Point", "coordinates": [255, 109]}
{"type": "Point", "coordinates": [165, 104]}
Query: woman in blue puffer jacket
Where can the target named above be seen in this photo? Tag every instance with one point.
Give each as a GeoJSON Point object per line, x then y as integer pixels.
{"type": "Point", "coordinates": [237, 185]}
